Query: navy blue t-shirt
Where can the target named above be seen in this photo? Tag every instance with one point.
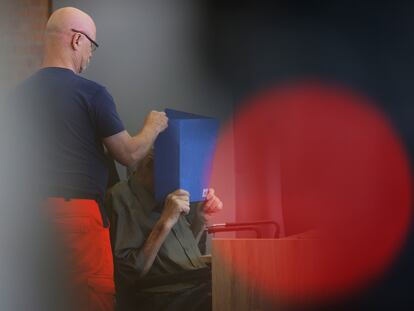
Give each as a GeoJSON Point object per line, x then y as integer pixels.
{"type": "Point", "coordinates": [70, 116]}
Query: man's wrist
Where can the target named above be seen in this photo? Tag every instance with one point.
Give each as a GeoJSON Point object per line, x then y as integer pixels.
{"type": "Point", "coordinates": [150, 132]}
{"type": "Point", "coordinates": [164, 225]}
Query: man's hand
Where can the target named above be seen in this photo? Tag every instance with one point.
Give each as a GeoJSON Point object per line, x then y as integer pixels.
{"type": "Point", "coordinates": [176, 203]}
{"type": "Point", "coordinates": [129, 150]}
{"type": "Point", "coordinates": [156, 122]}
{"type": "Point", "coordinates": [212, 205]}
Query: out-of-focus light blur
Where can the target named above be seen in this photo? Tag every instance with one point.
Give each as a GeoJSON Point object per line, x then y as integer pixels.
{"type": "Point", "coordinates": [318, 157]}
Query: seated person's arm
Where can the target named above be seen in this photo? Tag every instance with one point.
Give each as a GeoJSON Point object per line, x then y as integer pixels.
{"type": "Point", "coordinates": [129, 150]}
{"type": "Point", "coordinates": [176, 203]}
{"type": "Point", "coordinates": [135, 253]}
{"type": "Point", "coordinates": [204, 211]}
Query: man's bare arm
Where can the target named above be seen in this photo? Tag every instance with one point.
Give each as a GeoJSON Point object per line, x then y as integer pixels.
{"type": "Point", "coordinates": [127, 149]}
{"type": "Point", "coordinates": [153, 244]}
{"type": "Point", "coordinates": [177, 203]}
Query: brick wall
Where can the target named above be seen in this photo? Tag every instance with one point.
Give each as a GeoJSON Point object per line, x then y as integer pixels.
{"type": "Point", "coordinates": [21, 33]}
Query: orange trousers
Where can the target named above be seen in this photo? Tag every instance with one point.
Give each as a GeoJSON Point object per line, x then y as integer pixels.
{"type": "Point", "coordinates": [86, 251]}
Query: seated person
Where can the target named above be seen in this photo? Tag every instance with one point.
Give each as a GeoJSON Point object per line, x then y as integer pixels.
{"type": "Point", "coordinates": [156, 257]}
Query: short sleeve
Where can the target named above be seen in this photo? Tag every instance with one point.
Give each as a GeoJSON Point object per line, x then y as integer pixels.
{"type": "Point", "coordinates": [106, 117]}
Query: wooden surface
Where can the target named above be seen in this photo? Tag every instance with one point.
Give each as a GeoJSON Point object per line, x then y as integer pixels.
{"type": "Point", "coordinates": [253, 274]}
{"type": "Point", "coordinates": [206, 259]}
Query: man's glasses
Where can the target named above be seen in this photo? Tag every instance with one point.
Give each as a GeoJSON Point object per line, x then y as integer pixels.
{"type": "Point", "coordinates": [94, 45]}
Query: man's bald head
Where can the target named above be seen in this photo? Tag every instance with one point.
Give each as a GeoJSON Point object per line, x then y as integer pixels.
{"type": "Point", "coordinates": [68, 44]}
{"type": "Point", "coordinates": [65, 19]}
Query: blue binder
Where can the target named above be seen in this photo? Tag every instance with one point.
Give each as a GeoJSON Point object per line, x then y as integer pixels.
{"type": "Point", "coordinates": [183, 155]}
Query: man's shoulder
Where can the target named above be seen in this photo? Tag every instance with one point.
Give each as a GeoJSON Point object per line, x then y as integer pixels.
{"type": "Point", "coordinates": [94, 86]}
{"type": "Point", "coordinates": [62, 77]}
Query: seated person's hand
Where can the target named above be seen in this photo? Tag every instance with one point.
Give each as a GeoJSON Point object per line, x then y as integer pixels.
{"type": "Point", "coordinates": [176, 203]}
{"type": "Point", "coordinates": [211, 205]}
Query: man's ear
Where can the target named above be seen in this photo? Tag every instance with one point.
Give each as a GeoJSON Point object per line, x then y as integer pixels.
{"type": "Point", "coordinates": [75, 41]}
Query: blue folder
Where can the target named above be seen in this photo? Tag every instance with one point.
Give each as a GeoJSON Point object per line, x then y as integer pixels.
{"type": "Point", "coordinates": [183, 155]}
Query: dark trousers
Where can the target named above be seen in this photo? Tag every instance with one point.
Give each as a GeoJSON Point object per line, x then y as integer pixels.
{"type": "Point", "coordinates": [192, 299]}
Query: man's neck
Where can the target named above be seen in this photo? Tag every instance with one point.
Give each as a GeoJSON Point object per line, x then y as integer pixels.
{"type": "Point", "coordinates": [60, 63]}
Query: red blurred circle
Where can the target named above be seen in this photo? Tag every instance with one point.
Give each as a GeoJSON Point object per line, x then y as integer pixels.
{"type": "Point", "coordinates": [322, 158]}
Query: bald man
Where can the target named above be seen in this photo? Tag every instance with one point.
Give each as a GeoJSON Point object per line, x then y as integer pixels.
{"type": "Point", "coordinates": [70, 120]}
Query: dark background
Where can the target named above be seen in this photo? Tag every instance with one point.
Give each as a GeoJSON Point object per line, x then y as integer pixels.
{"type": "Point", "coordinates": [365, 45]}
